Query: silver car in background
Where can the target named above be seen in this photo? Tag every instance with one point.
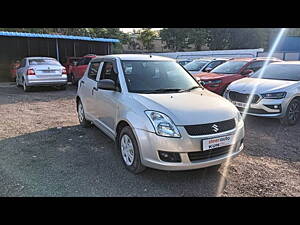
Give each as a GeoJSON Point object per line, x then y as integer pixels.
{"type": "Point", "coordinates": [276, 92]}
{"type": "Point", "coordinates": [204, 65]}
{"type": "Point", "coordinates": [158, 114]}
{"type": "Point", "coordinates": [41, 71]}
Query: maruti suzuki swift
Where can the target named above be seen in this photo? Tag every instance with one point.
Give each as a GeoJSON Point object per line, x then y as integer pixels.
{"type": "Point", "coordinates": [158, 114]}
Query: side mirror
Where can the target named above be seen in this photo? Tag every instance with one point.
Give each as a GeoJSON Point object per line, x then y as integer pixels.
{"type": "Point", "coordinates": [208, 69]}
{"type": "Point", "coordinates": [106, 84]}
{"type": "Point", "coordinates": [75, 63]}
{"type": "Point", "coordinates": [202, 83]}
{"type": "Point", "coordinates": [247, 72]}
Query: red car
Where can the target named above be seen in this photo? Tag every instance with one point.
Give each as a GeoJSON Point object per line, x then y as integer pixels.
{"type": "Point", "coordinates": [79, 68]}
{"type": "Point", "coordinates": [69, 63]}
{"type": "Point", "coordinates": [220, 77]}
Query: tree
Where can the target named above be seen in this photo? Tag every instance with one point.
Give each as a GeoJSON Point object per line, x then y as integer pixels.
{"type": "Point", "coordinates": [176, 38]}
{"type": "Point", "coordinates": [147, 36]}
{"type": "Point", "coordinates": [199, 37]}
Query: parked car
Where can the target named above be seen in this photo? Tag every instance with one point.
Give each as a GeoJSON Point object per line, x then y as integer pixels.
{"type": "Point", "coordinates": [79, 68]}
{"type": "Point", "coordinates": [203, 65]}
{"type": "Point", "coordinates": [41, 71]}
{"type": "Point", "coordinates": [69, 63]}
{"type": "Point", "coordinates": [272, 92]}
{"type": "Point", "coordinates": [220, 77]}
{"type": "Point", "coordinates": [147, 105]}
{"type": "Point", "coordinates": [183, 61]}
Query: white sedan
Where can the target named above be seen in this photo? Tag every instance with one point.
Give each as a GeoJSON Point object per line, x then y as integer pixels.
{"type": "Point", "coordinates": [270, 92]}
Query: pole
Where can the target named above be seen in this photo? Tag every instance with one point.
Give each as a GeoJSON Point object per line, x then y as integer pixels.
{"type": "Point", "coordinates": [57, 52]}
{"type": "Point", "coordinates": [74, 49]}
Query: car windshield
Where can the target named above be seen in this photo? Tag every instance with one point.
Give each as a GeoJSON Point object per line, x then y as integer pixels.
{"type": "Point", "coordinates": [157, 77]}
{"type": "Point", "coordinates": [279, 72]}
{"type": "Point", "coordinates": [229, 67]}
{"type": "Point", "coordinates": [195, 65]}
{"type": "Point", "coordinates": [43, 62]}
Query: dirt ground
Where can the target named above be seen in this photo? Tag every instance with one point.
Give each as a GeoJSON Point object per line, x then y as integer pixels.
{"type": "Point", "coordinates": [44, 152]}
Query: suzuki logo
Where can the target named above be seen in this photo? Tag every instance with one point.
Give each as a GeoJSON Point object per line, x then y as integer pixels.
{"type": "Point", "coordinates": [215, 128]}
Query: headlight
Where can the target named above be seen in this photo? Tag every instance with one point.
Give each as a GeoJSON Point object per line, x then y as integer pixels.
{"type": "Point", "coordinates": [275, 95]}
{"type": "Point", "coordinates": [162, 124]}
{"type": "Point", "coordinates": [213, 82]}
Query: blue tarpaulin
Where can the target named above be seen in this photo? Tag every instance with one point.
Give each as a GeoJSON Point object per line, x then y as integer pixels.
{"type": "Point", "coordinates": [56, 36]}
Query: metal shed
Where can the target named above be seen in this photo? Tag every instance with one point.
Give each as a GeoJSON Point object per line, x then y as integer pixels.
{"type": "Point", "coordinates": [16, 45]}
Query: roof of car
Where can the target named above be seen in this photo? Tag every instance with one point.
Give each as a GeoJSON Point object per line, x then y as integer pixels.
{"type": "Point", "coordinates": [256, 58]}
{"type": "Point", "coordinates": [39, 57]}
{"type": "Point", "coordinates": [287, 62]}
{"type": "Point", "coordinates": [138, 57]}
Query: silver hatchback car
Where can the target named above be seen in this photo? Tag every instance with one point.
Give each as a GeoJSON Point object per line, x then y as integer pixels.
{"type": "Point", "coordinates": [41, 71]}
{"type": "Point", "coordinates": [158, 114]}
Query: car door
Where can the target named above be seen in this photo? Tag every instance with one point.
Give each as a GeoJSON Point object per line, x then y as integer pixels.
{"type": "Point", "coordinates": [87, 86]}
{"type": "Point", "coordinates": [106, 101]}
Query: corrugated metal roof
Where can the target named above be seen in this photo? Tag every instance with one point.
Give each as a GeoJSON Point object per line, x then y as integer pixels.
{"type": "Point", "coordinates": [56, 36]}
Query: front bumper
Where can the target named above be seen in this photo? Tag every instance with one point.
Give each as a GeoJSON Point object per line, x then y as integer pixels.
{"type": "Point", "coordinates": [265, 108]}
{"type": "Point", "coordinates": [150, 143]}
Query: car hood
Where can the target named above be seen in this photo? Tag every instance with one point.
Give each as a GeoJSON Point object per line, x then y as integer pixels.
{"type": "Point", "coordinates": [246, 85]}
{"type": "Point", "coordinates": [209, 76]}
{"type": "Point", "coordinates": [188, 108]}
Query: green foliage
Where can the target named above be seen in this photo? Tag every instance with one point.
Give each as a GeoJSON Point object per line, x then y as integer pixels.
{"type": "Point", "coordinates": [147, 36]}
{"type": "Point", "coordinates": [176, 38]}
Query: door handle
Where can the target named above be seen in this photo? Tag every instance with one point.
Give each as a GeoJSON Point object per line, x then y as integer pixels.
{"type": "Point", "coordinates": [96, 89]}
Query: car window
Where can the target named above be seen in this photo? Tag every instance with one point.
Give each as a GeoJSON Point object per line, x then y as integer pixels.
{"type": "Point", "coordinates": [279, 72]}
{"type": "Point", "coordinates": [213, 64]}
{"type": "Point", "coordinates": [254, 66]}
{"type": "Point", "coordinates": [81, 61]}
{"type": "Point", "coordinates": [43, 62]}
{"type": "Point", "coordinates": [155, 76]}
{"type": "Point", "coordinates": [86, 61]}
{"type": "Point", "coordinates": [229, 67]}
{"type": "Point", "coordinates": [93, 70]}
{"type": "Point", "coordinates": [195, 65]}
{"type": "Point", "coordinates": [108, 72]}
{"type": "Point", "coordinates": [23, 63]}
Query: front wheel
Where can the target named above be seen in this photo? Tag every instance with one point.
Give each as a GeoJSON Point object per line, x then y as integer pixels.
{"type": "Point", "coordinates": [129, 150]}
{"type": "Point", "coordinates": [81, 116]}
{"type": "Point", "coordinates": [292, 113]}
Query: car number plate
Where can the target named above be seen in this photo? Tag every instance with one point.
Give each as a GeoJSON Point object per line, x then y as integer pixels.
{"type": "Point", "coordinates": [240, 104]}
{"type": "Point", "coordinates": [217, 142]}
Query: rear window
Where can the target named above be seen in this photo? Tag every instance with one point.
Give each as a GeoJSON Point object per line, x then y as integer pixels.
{"type": "Point", "coordinates": [43, 62]}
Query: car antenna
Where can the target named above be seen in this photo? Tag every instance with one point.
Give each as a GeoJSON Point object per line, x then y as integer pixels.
{"type": "Point", "coordinates": [150, 55]}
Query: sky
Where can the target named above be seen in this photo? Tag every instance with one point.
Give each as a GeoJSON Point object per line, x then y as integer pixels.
{"type": "Point", "coordinates": [129, 30]}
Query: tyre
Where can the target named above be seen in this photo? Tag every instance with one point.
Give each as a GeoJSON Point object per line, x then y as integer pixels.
{"type": "Point", "coordinates": [81, 116]}
{"type": "Point", "coordinates": [25, 87]}
{"type": "Point", "coordinates": [130, 154]}
{"type": "Point", "coordinates": [292, 113]}
{"type": "Point", "coordinates": [73, 80]}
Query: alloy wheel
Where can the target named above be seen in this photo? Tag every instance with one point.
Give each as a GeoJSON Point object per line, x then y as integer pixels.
{"type": "Point", "coordinates": [293, 113]}
{"type": "Point", "coordinates": [127, 150]}
{"type": "Point", "coordinates": [80, 113]}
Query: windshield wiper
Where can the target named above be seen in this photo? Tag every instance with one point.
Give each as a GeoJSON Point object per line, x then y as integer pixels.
{"type": "Point", "coordinates": [192, 88]}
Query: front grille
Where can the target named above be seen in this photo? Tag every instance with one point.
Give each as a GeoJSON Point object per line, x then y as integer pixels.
{"type": "Point", "coordinates": [239, 97]}
{"type": "Point", "coordinates": [200, 155]}
{"type": "Point", "coordinates": [210, 128]}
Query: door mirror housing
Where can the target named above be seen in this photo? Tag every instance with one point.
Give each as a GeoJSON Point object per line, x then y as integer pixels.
{"type": "Point", "coordinates": [208, 69]}
{"type": "Point", "coordinates": [247, 72]}
{"type": "Point", "coordinates": [106, 84]}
